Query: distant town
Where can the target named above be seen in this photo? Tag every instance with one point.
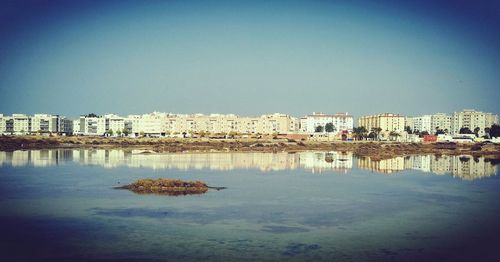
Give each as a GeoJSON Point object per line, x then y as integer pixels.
{"type": "Point", "coordinates": [465, 125]}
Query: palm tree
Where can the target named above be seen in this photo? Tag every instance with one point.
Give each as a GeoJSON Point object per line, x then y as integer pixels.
{"type": "Point", "coordinates": [377, 131]}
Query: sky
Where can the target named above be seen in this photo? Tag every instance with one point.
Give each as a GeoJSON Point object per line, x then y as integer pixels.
{"type": "Point", "coordinates": [249, 57]}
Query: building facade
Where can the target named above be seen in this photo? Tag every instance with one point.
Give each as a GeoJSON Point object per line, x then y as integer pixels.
{"type": "Point", "coordinates": [472, 119]}
{"type": "Point", "coordinates": [386, 122]}
{"type": "Point", "coordinates": [422, 123]}
{"type": "Point", "coordinates": [19, 124]}
{"type": "Point", "coordinates": [441, 121]}
{"type": "Point", "coordinates": [44, 123]}
{"type": "Point", "coordinates": [340, 121]}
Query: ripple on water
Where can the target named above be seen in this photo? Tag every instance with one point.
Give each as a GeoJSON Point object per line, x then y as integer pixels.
{"type": "Point", "coordinates": [300, 248]}
{"type": "Point", "coordinates": [284, 229]}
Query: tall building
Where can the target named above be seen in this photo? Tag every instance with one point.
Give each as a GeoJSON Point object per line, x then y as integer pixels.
{"type": "Point", "coordinates": [422, 123]}
{"type": "Point", "coordinates": [274, 123]}
{"type": "Point", "coordinates": [441, 121]}
{"type": "Point", "coordinates": [44, 123]}
{"type": "Point", "coordinates": [152, 124]}
{"type": "Point", "coordinates": [114, 123]}
{"type": "Point", "coordinates": [472, 119]}
{"type": "Point", "coordinates": [409, 122]}
{"type": "Point", "coordinates": [65, 126]}
{"type": "Point", "coordinates": [385, 121]}
{"type": "Point", "coordinates": [92, 125]}
{"type": "Point", "coordinates": [341, 122]}
{"type": "Point", "coordinates": [21, 124]}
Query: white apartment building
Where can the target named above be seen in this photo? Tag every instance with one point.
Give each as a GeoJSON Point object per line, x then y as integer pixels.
{"type": "Point", "coordinates": [65, 126]}
{"type": "Point", "coordinates": [18, 124]}
{"type": "Point", "coordinates": [441, 121]}
{"type": "Point", "coordinates": [76, 127]}
{"type": "Point", "coordinates": [341, 122]}
{"type": "Point", "coordinates": [92, 126]}
{"type": "Point", "coordinates": [224, 124]}
{"type": "Point", "coordinates": [472, 119]}
{"type": "Point", "coordinates": [114, 123]}
{"type": "Point", "coordinates": [2, 124]}
{"type": "Point", "coordinates": [44, 123]}
{"type": "Point", "coordinates": [422, 123]}
{"type": "Point", "coordinates": [153, 124]}
{"type": "Point", "coordinates": [276, 123]}
{"type": "Point", "coordinates": [409, 122]}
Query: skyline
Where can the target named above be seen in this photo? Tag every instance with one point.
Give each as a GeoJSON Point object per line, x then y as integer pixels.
{"type": "Point", "coordinates": [338, 113]}
{"type": "Point", "coordinates": [413, 58]}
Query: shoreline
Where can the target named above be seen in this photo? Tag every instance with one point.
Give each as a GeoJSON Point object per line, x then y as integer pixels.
{"type": "Point", "coordinates": [375, 149]}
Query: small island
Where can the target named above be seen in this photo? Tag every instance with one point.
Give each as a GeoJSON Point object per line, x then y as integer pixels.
{"type": "Point", "coordinates": [170, 187]}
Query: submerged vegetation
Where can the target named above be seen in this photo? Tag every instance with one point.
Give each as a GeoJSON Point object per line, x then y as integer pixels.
{"type": "Point", "coordinates": [170, 187]}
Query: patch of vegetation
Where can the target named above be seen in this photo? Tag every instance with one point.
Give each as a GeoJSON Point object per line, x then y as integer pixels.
{"type": "Point", "coordinates": [163, 186]}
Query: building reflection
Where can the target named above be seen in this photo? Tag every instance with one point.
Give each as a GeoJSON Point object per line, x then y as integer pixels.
{"type": "Point", "coordinates": [316, 162]}
{"type": "Point", "coordinates": [464, 167]}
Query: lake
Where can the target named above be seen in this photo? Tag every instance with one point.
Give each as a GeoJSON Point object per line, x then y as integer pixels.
{"type": "Point", "coordinates": [60, 205]}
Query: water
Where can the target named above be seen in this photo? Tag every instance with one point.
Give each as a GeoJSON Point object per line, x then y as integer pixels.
{"type": "Point", "coordinates": [321, 206]}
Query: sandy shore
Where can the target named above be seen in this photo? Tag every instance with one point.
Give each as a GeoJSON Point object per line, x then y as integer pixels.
{"type": "Point", "coordinates": [381, 150]}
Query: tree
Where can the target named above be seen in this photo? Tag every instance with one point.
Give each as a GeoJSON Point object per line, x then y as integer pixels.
{"type": "Point", "coordinates": [319, 129]}
{"type": "Point", "coordinates": [476, 131]}
{"type": "Point", "coordinates": [393, 133]}
{"type": "Point", "coordinates": [486, 132]}
{"type": "Point", "coordinates": [495, 131]}
{"type": "Point", "coordinates": [408, 130]}
{"type": "Point", "coordinates": [118, 132]}
{"type": "Point", "coordinates": [110, 132]}
{"type": "Point", "coordinates": [359, 132]}
{"type": "Point", "coordinates": [125, 132]}
{"type": "Point", "coordinates": [424, 133]}
{"type": "Point", "coordinates": [465, 130]}
{"type": "Point", "coordinates": [91, 115]}
{"type": "Point", "coordinates": [377, 131]}
{"type": "Point", "coordinates": [329, 128]}
{"type": "Point", "coordinates": [440, 131]}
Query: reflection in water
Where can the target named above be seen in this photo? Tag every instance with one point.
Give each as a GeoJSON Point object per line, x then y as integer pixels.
{"type": "Point", "coordinates": [313, 161]}
{"type": "Point", "coordinates": [464, 167]}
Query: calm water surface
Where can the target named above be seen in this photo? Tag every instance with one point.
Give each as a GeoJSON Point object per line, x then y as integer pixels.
{"type": "Point", "coordinates": [321, 206]}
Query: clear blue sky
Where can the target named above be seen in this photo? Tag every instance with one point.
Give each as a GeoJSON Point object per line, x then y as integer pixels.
{"type": "Point", "coordinates": [249, 57]}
